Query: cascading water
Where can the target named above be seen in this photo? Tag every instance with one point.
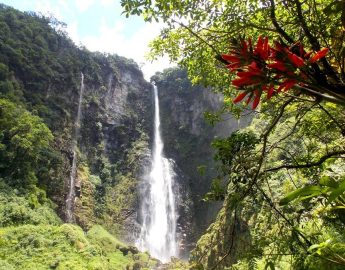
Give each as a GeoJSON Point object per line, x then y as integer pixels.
{"type": "Point", "coordinates": [158, 231]}
{"type": "Point", "coordinates": [71, 193]}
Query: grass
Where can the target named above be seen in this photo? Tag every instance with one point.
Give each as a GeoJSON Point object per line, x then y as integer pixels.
{"type": "Point", "coordinates": [65, 247]}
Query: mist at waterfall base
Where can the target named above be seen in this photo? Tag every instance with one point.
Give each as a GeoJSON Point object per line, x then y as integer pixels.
{"type": "Point", "coordinates": [158, 205]}
{"type": "Point", "coordinates": [71, 193]}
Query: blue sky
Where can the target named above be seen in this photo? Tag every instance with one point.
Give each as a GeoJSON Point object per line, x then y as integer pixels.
{"type": "Point", "coordinates": [99, 25]}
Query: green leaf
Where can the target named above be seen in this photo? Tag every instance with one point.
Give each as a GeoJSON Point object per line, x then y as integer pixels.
{"type": "Point", "coordinates": [328, 181]}
{"type": "Point", "coordinates": [303, 193]}
{"type": "Point", "coordinates": [337, 192]}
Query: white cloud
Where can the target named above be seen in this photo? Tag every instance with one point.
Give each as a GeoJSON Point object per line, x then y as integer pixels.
{"type": "Point", "coordinates": [109, 38]}
{"type": "Point", "coordinates": [83, 5]}
{"type": "Point", "coordinates": [114, 40]}
{"type": "Point", "coordinates": [72, 30]}
{"type": "Point", "coordinates": [46, 8]}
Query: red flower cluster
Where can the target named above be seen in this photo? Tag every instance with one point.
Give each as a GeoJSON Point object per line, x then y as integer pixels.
{"type": "Point", "coordinates": [262, 68]}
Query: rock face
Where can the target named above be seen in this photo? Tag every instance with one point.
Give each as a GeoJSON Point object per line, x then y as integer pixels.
{"type": "Point", "coordinates": [114, 142]}
{"type": "Point", "coordinates": [45, 67]}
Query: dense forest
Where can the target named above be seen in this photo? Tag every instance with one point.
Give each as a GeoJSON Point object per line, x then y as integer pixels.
{"type": "Point", "coordinates": [260, 185]}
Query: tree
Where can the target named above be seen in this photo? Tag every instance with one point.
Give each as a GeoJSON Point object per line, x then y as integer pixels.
{"type": "Point", "coordinates": [24, 139]}
{"type": "Point", "coordinates": [198, 32]}
{"type": "Point", "coordinates": [283, 175]}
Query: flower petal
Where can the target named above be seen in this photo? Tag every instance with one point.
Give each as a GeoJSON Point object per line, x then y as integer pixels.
{"type": "Point", "coordinates": [249, 98]}
{"type": "Point", "coordinates": [278, 65]}
{"type": "Point", "coordinates": [242, 81]}
{"type": "Point", "coordinates": [319, 55]}
{"type": "Point", "coordinates": [256, 101]}
{"type": "Point", "coordinates": [295, 59]}
{"type": "Point", "coordinates": [286, 85]}
{"type": "Point", "coordinates": [239, 97]}
{"type": "Point", "coordinates": [270, 91]}
{"type": "Point", "coordinates": [231, 58]}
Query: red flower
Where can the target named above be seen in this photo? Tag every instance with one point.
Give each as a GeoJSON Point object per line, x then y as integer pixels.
{"type": "Point", "coordinates": [231, 58]}
{"type": "Point", "coordinates": [240, 97]}
{"type": "Point", "coordinates": [266, 69]}
{"type": "Point", "coordinates": [253, 66]}
{"type": "Point", "coordinates": [256, 101]}
{"type": "Point", "coordinates": [278, 65]}
{"type": "Point", "coordinates": [286, 85]}
{"type": "Point", "coordinates": [269, 90]}
{"type": "Point", "coordinates": [243, 81]}
{"type": "Point", "coordinates": [249, 98]}
{"type": "Point", "coordinates": [251, 77]}
{"type": "Point", "coordinates": [262, 48]}
{"type": "Point", "coordinates": [295, 59]}
{"type": "Point", "coordinates": [319, 55]}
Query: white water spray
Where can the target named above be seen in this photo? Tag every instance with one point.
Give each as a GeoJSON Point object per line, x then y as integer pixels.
{"type": "Point", "coordinates": [158, 231]}
{"type": "Point", "coordinates": [71, 193]}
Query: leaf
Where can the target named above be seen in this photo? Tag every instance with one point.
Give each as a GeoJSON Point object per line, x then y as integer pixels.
{"type": "Point", "coordinates": [302, 193]}
{"type": "Point", "coordinates": [217, 192]}
{"type": "Point", "coordinates": [328, 181]}
{"type": "Point", "coordinates": [317, 248]}
{"type": "Point", "coordinates": [337, 192]}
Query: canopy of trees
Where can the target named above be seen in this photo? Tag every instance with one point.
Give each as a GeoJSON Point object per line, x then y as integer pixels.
{"type": "Point", "coordinates": [282, 179]}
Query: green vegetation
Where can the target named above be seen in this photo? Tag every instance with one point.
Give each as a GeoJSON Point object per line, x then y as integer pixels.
{"type": "Point", "coordinates": [24, 142]}
{"type": "Point", "coordinates": [31, 208]}
{"type": "Point", "coordinates": [281, 179]}
{"type": "Point", "coordinates": [39, 92]}
{"type": "Point", "coordinates": [66, 247]}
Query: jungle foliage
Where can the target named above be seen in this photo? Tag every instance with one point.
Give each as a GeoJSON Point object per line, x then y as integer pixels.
{"type": "Point", "coordinates": [39, 91]}
{"type": "Point", "coordinates": [281, 178]}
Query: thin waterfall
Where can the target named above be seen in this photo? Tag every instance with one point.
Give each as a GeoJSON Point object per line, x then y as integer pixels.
{"type": "Point", "coordinates": [158, 209]}
{"type": "Point", "coordinates": [71, 193]}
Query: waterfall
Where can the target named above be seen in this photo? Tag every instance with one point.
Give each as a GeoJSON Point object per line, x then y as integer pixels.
{"type": "Point", "coordinates": [71, 193]}
{"type": "Point", "coordinates": [158, 209]}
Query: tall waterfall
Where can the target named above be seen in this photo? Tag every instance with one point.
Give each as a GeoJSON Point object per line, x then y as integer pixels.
{"type": "Point", "coordinates": [71, 193]}
{"type": "Point", "coordinates": [158, 231]}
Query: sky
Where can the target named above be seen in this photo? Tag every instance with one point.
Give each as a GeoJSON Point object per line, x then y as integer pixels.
{"type": "Point", "coordinates": [99, 26]}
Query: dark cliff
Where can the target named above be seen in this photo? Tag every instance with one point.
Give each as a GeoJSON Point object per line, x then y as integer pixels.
{"type": "Point", "coordinates": [41, 70]}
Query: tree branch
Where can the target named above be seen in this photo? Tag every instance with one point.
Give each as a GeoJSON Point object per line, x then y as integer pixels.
{"type": "Point", "coordinates": [313, 40]}
{"type": "Point", "coordinates": [342, 129]}
{"type": "Point", "coordinates": [271, 204]}
{"type": "Point", "coordinates": [276, 24]}
{"type": "Point", "coordinates": [293, 128]}
{"type": "Point", "coordinates": [263, 151]}
{"type": "Point", "coordinates": [307, 165]}
{"type": "Point", "coordinates": [218, 55]}
{"type": "Point", "coordinates": [337, 99]}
